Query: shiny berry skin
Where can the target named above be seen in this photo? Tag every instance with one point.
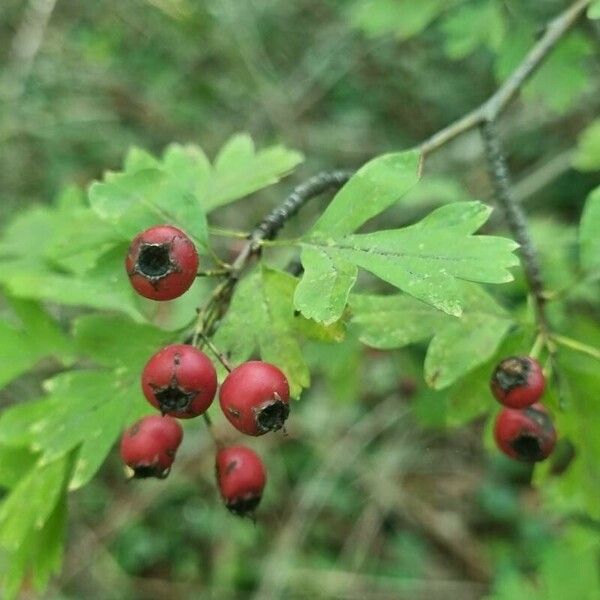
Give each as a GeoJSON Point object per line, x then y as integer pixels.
{"type": "Point", "coordinates": [518, 381]}
{"type": "Point", "coordinates": [162, 263]}
{"type": "Point", "coordinates": [241, 477]}
{"type": "Point", "coordinates": [255, 398]}
{"type": "Point", "coordinates": [149, 446]}
{"type": "Point", "coordinates": [527, 435]}
{"type": "Point", "coordinates": [180, 381]}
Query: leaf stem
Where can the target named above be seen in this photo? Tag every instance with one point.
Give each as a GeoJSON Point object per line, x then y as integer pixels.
{"type": "Point", "coordinates": [491, 109]}
{"type": "Point", "coordinates": [576, 345]}
{"type": "Point", "coordinates": [213, 273]}
{"type": "Point", "coordinates": [232, 233]}
{"type": "Point", "coordinates": [537, 346]}
{"type": "Point", "coordinates": [220, 356]}
{"type": "Point", "coordinates": [211, 429]}
{"type": "Point", "coordinates": [273, 222]}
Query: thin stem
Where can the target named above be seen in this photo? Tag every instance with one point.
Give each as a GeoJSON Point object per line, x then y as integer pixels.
{"type": "Point", "coordinates": [218, 354]}
{"type": "Point", "coordinates": [576, 345]}
{"type": "Point", "coordinates": [232, 233]}
{"type": "Point", "coordinates": [270, 226]}
{"type": "Point", "coordinates": [537, 346]}
{"type": "Point", "coordinates": [213, 273]}
{"type": "Point", "coordinates": [517, 223]}
{"type": "Point", "coordinates": [514, 215]}
{"type": "Point", "coordinates": [211, 430]}
{"type": "Point", "coordinates": [491, 109]}
{"type": "Point", "coordinates": [279, 243]}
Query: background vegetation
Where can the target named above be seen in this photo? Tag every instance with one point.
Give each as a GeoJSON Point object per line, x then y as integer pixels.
{"type": "Point", "coordinates": [384, 488]}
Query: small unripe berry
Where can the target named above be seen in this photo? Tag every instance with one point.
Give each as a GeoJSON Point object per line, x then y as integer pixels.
{"type": "Point", "coordinates": [149, 446]}
{"type": "Point", "coordinates": [241, 477]}
{"type": "Point", "coordinates": [162, 263]}
{"type": "Point", "coordinates": [180, 381]}
{"type": "Point", "coordinates": [518, 381]}
{"type": "Point", "coordinates": [255, 398]}
{"type": "Point", "coordinates": [527, 435]}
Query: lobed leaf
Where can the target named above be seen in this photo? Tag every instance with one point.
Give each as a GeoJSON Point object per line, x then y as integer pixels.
{"type": "Point", "coordinates": [372, 189]}
{"type": "Point", "coordinates": [262, 317]}
{"type": "Point", "coordinates": [23, 346]}
{"type": "Point", "coordinates": [240, 170]}
{"type": "Point", "coordinates": [425, 260]}
{"type": "Point", "coordinates": [458, 344]}
{"type": "Point", "coordinates": [32, 526]}
{"type": "Point", "coordinates": [84, 410]}
{"type": "Point", "coordinates": [134, 201]}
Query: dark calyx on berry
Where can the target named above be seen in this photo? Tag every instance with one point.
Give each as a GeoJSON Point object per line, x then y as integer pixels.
{"type": "Point", "coordinates": [513, 372]}
{"type": "Point", "coordinates": [147, 471]}
{"type": "Point", "coordinates": [271, 416]}
{"type": "Point", "coordinates": [154, 261]}
{"type": "Point", "coordinates": [528, 448]}
{"type": "Point", "coordinates": [173, 398]}
{"type": "Point", "coordinates": [244, 506]}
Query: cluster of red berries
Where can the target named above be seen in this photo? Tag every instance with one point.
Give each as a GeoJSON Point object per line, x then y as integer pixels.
{"type": "Point", "coordinates": [523, 428]}
{"type": "Point", "coordinates": [181, 381]}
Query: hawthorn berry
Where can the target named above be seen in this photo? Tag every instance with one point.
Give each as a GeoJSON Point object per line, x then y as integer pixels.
{"type": "Point", "coordinates": [162, 263]}
{"type": "Point", "coordinates": [518, 381]}
{"type": "Point", "coordinates": [255, 397]}
{"type": "Point", "coordinates": [180, 381]}
{"type": "Point", "coordinates": [241, 477]}
{"type": "Point", "coordinates": [527, 434]}
{"type": "Point", "coordinates": [149, 446]}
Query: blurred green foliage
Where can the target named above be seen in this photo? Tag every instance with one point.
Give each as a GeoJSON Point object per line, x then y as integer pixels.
{"type": "Point", "coordinates": [383, 488]}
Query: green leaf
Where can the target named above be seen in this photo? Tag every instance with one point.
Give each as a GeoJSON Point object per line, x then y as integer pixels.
{"type": "Point", "coordinates": [325, 287]}
{"type": "Point", "coordinates": [84, 409]}
{"type": "Point", "coordinates": [138, 159]}
{"type": "Point", "coordinates": [593, 11]}
{"type": "Point", "coordinates": [15, 462]}
{"type": "Point", "coordinates": [587, 157]}
{"type": "Point", "coordinates": [23, 346]}
{"type": "Point", "coordinates": [472, 26]}
{"type": "Point", "coordinates": [404, 18]}
{"type": "Point", "coordinates": [589, 239]}
{"type": "Point", "coordinates": [114, 341]}
{"type": "Point", "coordinates": [105, 287]}
{"type": "Point", "coordinates": [31, 502]}
{"type": "Point", "coordinates": [240, 170]}
{"type": "Point", "coordinates": [189, 165]}
{"type": "Point", "coordinates": [568, 569]}
{"type": "Point", "coordinates": [32, 524]}
{"type": "Point", "coordinates": [66, 236]}
{"type": "Point", "coordinates": [425, 260]}
{"type": "Point", "coordinates": [182, 187]}
{"type": "Point", "coordinates": [372, 189]}
{"type": "Point", "coordinates": [578, 489]}
{"type": "Point", "coordinates": [458, 345]}
{"type": "Point", "coordinates": [134, 201]}
{"type": "Point", "coordinates": [261, 316]}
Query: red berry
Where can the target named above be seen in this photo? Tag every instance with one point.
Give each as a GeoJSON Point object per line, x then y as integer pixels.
{"type": "Point", "coordinates": [241, 478]}
{"type": "Point", "coordinates": [255, 398]}
{"type": "Point", "coordinates": [518, 381]}
{"type": "Point", "coordinates": [180, 381]}
{"type": "Point", "coordinates": [527, 435]}
{"type": "Point", "coordinates": [149, 446]}
{"type": "Point", "coordinates": [162, 263]}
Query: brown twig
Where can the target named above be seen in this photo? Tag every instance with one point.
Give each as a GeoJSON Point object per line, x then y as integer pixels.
{"type": "Point", "coordinates": [487, 112]}
{"type": "Point", "coordinates": [491, 109]}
